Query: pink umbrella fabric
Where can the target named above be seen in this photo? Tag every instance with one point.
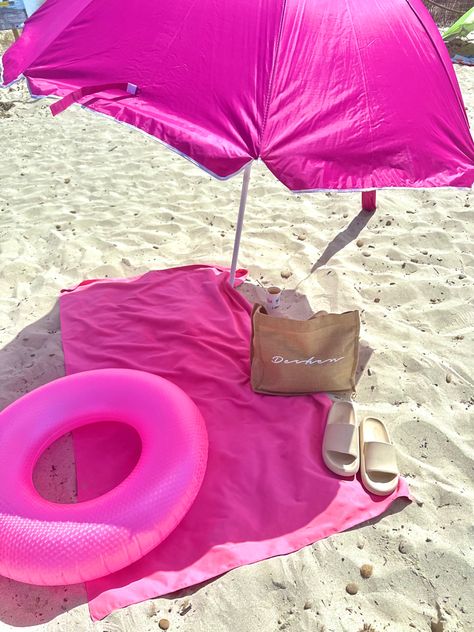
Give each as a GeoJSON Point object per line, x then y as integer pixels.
{"type": "Point", "coordinates": [330, 94]}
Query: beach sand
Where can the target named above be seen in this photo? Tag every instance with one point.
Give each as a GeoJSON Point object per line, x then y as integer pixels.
{"type": "Point", "coordinates": [83, 197]}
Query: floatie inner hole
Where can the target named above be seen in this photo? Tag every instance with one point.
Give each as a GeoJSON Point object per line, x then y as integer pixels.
{"type": "Point", "coordinates": [54, 474]}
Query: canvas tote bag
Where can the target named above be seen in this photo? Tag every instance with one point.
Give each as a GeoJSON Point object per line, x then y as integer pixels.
{"type": "Point", "coordinates": [290, 357]}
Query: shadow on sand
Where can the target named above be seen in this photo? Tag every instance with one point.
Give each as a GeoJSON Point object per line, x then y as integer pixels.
{"type": "Point", "coordinates": [344, 238]}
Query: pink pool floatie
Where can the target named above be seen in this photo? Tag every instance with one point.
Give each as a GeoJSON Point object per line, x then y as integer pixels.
{"type": "Point", "coordinates": [42, 542]}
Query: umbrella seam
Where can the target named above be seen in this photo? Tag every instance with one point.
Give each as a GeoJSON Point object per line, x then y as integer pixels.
{"type": "Point", "coordinates": [364, 78]}
{"type": "Point", "coordinates": [272, 76]}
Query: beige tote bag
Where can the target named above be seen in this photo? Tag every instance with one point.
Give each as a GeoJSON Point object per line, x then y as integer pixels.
{"type": "Point", "coordinates": [290, 357]}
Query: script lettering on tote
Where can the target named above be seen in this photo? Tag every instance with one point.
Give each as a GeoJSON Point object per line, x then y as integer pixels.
{"type": "Point", "coordinates": [309, 362]}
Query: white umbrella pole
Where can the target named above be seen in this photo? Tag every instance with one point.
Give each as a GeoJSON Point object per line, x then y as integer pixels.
{"type": "Point", "coordinates": [240, 221]}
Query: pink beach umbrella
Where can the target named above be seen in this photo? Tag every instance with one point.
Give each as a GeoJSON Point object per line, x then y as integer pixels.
{"type": "Point", "coordinates": [330, 94]}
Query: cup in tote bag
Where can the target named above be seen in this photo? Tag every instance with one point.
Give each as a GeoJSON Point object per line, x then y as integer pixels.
{"type": "Point", "coordinates": [291, 357]}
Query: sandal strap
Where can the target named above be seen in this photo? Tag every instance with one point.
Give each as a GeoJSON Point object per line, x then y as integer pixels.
{"type": "Point", "coordinates": [380, 457]}
{"type": "Point", "coordinates": [341, 438]}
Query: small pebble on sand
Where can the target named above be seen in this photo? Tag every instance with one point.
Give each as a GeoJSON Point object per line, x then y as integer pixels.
{"type": "Point", "coordinates": [285, 274]}
{"type": "Point", "coordinates": [376, 300]}
{"type": "Point", "coordinates": [184, 607]}
{"type": "Point", "coordinates": [403, 547]}
{"type": "Point", "coordinates": [352, 588]}
{"type": "Point", "coordinates": [449, 378]}
{"type": "Point", "coordinates": [359, 243]}
{"type": "Point", "coordinates": [307, 605]}
{"type": "Point", "coordinates": [164, 624]}
{"type": "Point", "coordinates": [366, 570]}
{"type": "Point", "coordinates": [277, 584]}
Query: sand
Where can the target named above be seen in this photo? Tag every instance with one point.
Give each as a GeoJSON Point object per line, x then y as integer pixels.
{"type": "Point", "coordinates": [82, 197]}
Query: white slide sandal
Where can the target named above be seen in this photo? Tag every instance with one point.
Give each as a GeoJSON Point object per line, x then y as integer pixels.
{"type": "Point", "coordinates": [378, 460]}
{"type": "Point", "coordinates": [341, 440]}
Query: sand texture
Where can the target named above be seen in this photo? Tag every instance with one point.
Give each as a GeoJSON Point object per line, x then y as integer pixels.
{"type": "Point", "coordinates": [83, 197]}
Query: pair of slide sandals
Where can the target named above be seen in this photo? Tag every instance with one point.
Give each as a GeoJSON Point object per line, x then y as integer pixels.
{"type": "Point", "coordinates": [348, 448]}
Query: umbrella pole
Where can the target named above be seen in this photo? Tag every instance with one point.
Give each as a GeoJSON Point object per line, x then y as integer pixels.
{"type": "Point", "coordinates": [240, 221]}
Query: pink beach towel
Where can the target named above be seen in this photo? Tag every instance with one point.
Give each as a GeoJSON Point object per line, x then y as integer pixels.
{"type": "Point", "coordinates": [266, 490]}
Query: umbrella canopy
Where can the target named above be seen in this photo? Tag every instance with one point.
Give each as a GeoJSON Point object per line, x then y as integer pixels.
{"type": "Point", "coordinates": [330, 94]}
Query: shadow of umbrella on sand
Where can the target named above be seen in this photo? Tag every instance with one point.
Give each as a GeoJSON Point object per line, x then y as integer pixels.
{"type": "Point", "coordinates": [331, 95]}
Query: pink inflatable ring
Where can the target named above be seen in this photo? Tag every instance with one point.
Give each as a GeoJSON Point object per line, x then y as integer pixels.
{"type": "Point", "coordinates": [42, 542]}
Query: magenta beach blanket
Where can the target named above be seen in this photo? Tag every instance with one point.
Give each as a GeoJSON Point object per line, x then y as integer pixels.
{"type": "Point", "coordinates": [266, 491]}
